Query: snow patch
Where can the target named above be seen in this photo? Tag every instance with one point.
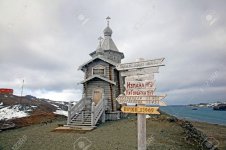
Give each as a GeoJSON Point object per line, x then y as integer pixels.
{"type": "Point", "coordinates": [61, 112]}
{"type": "Point", "coordinates": [148, 116]}
{"type": "Point", "coordinates": [55, 105]}
{"type": "Point", "coordinates": [12, 112]}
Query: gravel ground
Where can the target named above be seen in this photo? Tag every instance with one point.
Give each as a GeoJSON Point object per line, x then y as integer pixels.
{"type": "Point", "coordinates": [117, 135]}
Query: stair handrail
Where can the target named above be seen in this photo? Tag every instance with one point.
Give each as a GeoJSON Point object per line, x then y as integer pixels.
{"type": "Point", "coordinates": [97, 111]}
{"type": "Point", "coordinates": [76, 108]}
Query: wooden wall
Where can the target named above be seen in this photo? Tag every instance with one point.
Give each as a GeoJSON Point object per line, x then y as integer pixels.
{"type": "Point", "coordinates": [110, 91]}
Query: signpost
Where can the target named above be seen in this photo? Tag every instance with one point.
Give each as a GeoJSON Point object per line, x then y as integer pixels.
{"type": "Point", "coordinates": [140, 77]}
{"type": "Point", "coordinates": [139, 84]}
{"type": "Point", "coordinates": [139, 89]}
{"type": "Point", "coordinates": [139, 92]}
{"type": "Point", "coordinates": [140, 71]}
{"type": "Point", "coordinates": [151, 100]}
{"type": "Point", "coordinates": [140, 110]}
{"type": "Point", "coordinates": [141, 64]}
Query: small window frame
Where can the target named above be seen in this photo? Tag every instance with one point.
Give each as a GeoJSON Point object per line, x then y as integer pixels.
{"type": "Point", "coordinates": [100, 67]}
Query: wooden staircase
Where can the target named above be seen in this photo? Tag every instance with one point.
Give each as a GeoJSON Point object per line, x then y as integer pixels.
{"type": "Point", "coordinates": [85, 114]}
{"type": "Point", "coordinates": [83, 118]}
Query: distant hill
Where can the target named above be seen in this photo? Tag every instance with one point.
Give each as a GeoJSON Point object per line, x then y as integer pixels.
{"type": "Point", "coordinates": [28, 109]}
{"type": "Point", "coordinates": [212, 104]}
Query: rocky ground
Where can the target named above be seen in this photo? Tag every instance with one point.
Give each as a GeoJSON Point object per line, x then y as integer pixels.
{"type": "Point", "coordinates": [164, 133]}
{"type": "Point", "coordinates": [216, 133]}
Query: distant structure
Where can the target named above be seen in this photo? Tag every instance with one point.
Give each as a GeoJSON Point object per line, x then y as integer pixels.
{"type": "Point", "coordinates": [6, 91]}
{"type": "Point", "coordinates": [101, 85]}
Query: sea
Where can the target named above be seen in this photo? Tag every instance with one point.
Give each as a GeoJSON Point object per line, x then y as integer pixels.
{"type": "Point", "coordinates": [202, 114]}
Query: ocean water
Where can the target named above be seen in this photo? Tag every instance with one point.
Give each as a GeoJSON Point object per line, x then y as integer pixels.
{"type": "Point", "coordinates": [202, 114]}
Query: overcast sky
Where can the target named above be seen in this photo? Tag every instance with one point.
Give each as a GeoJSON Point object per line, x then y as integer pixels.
{"type": "Point", "coordinates": [43, 42]}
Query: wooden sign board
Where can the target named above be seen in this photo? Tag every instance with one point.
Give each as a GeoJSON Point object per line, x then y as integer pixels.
{"type": "Point", "coordinates": [140, 110]}
{"type": "Point", "coordinates": [149, 102]}
{"type": "Point", "coordinates": [140, 71]}
{"type": "Point", "coordinates": [123, 98]}
{"type": "Point", "coordinates": [145, 102]}
{"type": "Point", "coordinates": [141, 64]}
{"type": "Point", "coordinates": [146, 84]}
{"type": "Point", "coordinates": [140, 77]}
{"type": "Point", "coordinates": [139, 92]}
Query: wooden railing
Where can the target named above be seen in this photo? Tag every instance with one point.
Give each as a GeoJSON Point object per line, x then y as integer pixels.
{"type": "Point", "coordinates": [97, 111]}
{"type": "Point", "coordinates": [73, 110]}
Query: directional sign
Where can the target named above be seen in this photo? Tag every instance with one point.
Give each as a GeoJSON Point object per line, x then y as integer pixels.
{"type": "Point", "coordinates": [130, 99]}
{"type": "Point", "coordinates": [140, 110]}
{"type": "Point", "coordinates": [147, 84]}
{"type": "Point", "coordinates": [140, 77]}
{"type": "Point", "coordinates": [150, 102]}
{"type": "Point", "coordinates": [139, 92]}
{"type": "Point", "coordinates": [140, 71]}
{"type": "Point", "coordinates": [141, 64]}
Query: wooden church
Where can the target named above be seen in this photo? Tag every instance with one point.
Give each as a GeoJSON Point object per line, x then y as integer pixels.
{"type": "Point", "coordinates": [101, 85]}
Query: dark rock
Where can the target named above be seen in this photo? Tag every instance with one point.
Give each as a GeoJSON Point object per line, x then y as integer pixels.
{"type": "Point", "coordinates": [220, 107]}
{"type": "Point", "coordinates": [172, 119]}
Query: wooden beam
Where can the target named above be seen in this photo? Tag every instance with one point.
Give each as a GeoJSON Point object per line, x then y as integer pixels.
{"type": "Point", "coordinates": [111, 91]}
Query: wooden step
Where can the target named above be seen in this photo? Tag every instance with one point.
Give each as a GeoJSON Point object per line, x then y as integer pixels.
{"type": "Point", "coordinates": [81, 124]}
{"type": "Point", "coordinates": [76, 128]}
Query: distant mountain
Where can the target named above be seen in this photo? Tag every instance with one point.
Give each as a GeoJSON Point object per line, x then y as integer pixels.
{"type": "Point", "coordinates": [28, 109]}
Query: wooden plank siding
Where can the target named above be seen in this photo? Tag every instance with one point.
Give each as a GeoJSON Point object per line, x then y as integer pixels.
{"type": "Point", "coordinates": [110, 91]}
{"type": "Point", "coordinates": [89, 70]}
{"type": "Point", "coordinates": [97, 83]}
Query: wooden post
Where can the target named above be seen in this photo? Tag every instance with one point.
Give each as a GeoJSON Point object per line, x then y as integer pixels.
{"type": "Point", "coordinates": [69, 113]}
{"type": "Point", "coordinates": [141, 131]}
{"type": "Point", "coordinates": [92, 113]}
{"type": "Point", "coordinates": [103, 117]}
{"type": "Point", "coordinates": [82, 116]}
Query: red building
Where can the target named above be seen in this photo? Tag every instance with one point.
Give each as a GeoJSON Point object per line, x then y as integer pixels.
{"type": "Point", "coordinates": [6, 91]}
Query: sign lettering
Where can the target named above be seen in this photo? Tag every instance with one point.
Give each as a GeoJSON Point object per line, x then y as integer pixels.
{"type": "Point", "coordinates": [139, 92]}
{"type": "Point", "coordinates": [139, 84]}
{"type": "Point", "coordinates": [140, 110]}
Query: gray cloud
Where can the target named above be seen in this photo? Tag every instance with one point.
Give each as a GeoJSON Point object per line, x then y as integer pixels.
{"type": "Point", "coordinates": [44, 42]}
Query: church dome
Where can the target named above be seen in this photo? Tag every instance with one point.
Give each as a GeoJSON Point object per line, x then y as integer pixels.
{"type": "Point", "coordinates": [107, 31]}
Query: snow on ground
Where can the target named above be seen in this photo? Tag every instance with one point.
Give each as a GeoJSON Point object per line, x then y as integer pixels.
{"type": "Point", "coordinates": [12, 112]}
{"type": "Point", "coordinates": [55, 105]}
{"type": "Point", "coordinates": [61, 112]}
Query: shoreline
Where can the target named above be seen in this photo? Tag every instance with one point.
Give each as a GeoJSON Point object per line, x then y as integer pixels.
{"type": "Point", "coordinates": [203, 132]}
{"type": "Point", "coordinates": [193, 119]}
{"type": "Point", "coordinates": [197, 121]}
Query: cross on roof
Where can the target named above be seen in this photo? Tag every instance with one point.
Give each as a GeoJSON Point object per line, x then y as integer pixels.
{"type": "Point", "coordinates": [100, 39]}
{"type": "Point", "coordinates": [108, 18]}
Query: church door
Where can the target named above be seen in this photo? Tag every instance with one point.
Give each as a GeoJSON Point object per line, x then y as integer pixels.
{"type": "Point", "coordinates": [97, 95]}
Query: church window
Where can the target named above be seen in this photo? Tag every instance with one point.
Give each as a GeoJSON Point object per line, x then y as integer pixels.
{"type": "Point", "coordinates": [99, 70]}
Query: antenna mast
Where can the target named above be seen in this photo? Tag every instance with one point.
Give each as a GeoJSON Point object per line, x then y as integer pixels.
{"type": "Point", "coordinates": [22, 88]}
